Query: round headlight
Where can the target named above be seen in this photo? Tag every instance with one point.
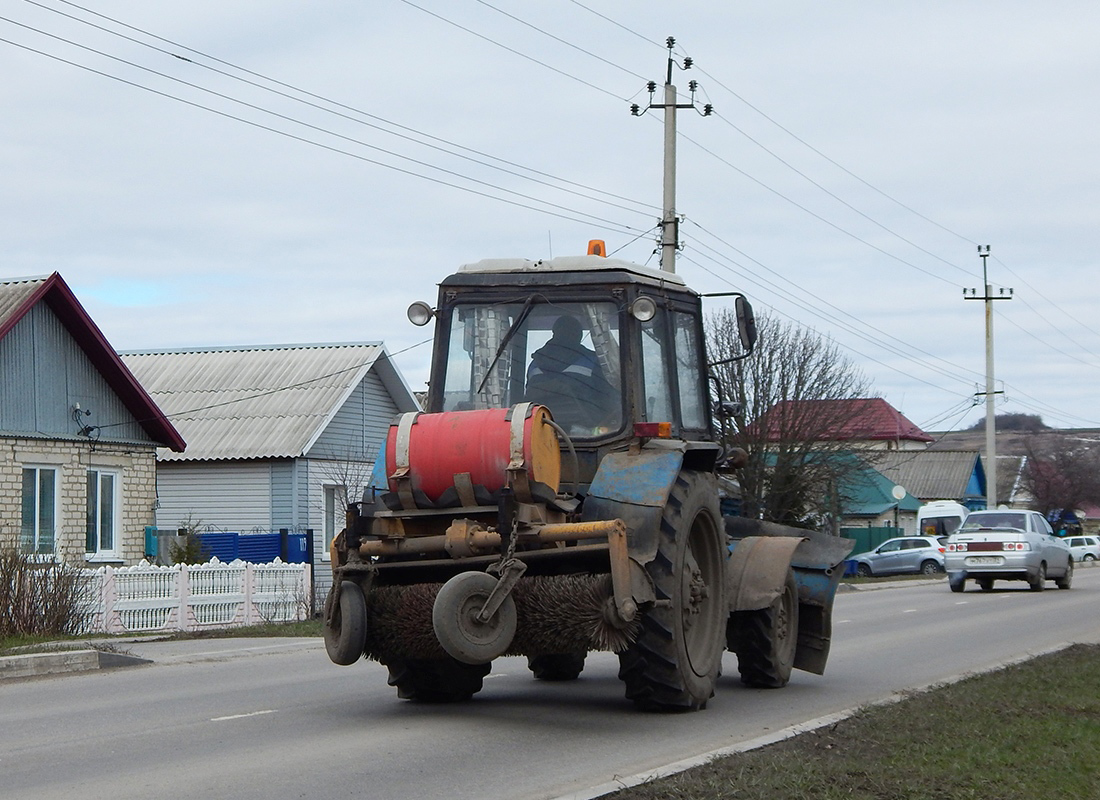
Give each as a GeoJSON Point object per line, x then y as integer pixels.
{"type": "Point", "coordinates": [420, 313]}
{"type": "Point", "coordinates": [643, 309]}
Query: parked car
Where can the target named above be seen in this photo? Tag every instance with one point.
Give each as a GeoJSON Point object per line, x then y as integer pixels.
{"type": "Point", "coordinates": [1083, 548]}
{"type": "Point", "coordinates": [905, 554]}
{"type": "Point", "coordinates": [1007, 545]}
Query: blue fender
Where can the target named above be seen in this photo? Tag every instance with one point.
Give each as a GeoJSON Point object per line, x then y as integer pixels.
{"type": "Point", "coordinates": [634, 486]}
{"type": "Point", "coordinates": [761, 555]}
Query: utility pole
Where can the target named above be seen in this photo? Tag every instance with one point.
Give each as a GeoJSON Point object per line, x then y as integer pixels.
{"type": "Point", "coordinates": [670, 223]}
{"type": "Point", "coordinates": [990, 413]}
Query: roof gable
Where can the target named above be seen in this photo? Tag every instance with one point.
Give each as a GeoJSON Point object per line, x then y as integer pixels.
{"type": "Point", "coordinates": [264, 401]}
{"type": "Point", "coordinates": [17, 298]}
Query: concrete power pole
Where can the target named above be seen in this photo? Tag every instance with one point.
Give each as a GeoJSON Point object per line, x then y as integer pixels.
{"type": "Point", "coordinates": [670, 222]}
{"type": "Point", "coordinates": [990, 413]}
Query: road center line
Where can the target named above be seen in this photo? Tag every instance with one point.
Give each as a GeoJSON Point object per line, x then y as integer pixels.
{"type": "Point", "coordinates": [242, 716]}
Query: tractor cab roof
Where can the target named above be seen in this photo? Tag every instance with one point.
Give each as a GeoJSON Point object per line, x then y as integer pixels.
{"type": "Point", "coordinates": [584, 269]}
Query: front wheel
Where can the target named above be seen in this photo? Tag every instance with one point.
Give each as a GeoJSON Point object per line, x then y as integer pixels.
{"type": "Point", "coordinates": [674, 663]}
{"type": "Point", "coordinates": [345, 628]}
{"type": "Point", "coordinates": [765, 640]}
{"type": "Point", "coordinates": [1089, 557]}
{"type": "Point", "coordinates": [455, 619]}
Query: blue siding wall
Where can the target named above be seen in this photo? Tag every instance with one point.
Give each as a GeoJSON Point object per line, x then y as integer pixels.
{"type": "Point", "coordinates": [359, 428]}
{"type": "Point", "coordinates": [282, 494]}
{"type": "Point", "coordinates": [46, 374]}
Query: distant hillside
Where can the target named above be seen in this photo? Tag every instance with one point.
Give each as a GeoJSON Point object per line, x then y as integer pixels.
{"type": "Point", "coordinates": [1009, 443]}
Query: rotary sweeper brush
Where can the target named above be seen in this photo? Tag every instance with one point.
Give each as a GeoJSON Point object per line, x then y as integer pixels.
{"type": "Point", "coordinates": [559, 496]}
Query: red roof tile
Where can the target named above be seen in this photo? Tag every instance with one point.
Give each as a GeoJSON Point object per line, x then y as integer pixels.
{"type": "Point", "coordinates": [868, 419]}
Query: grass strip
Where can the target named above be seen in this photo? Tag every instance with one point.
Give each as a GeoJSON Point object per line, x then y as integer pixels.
{"type": "Point", "coordinates": [1026, 731]}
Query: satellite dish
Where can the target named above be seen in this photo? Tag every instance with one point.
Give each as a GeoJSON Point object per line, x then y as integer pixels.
{"type": "Point", "coordinates": [899, 492]}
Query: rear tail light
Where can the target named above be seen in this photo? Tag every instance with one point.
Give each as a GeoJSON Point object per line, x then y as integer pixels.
{"type": "Point", "coordinates": [653, 430]}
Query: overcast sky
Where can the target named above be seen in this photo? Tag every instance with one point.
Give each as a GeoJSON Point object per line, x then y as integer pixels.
{"type": "Point", "coordinates": [213, 173]}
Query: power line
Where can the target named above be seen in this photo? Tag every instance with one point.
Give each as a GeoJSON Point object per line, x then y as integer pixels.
{"type": "Point", "coordinates": [819, 301]}
{"type": "Point", "coordinates": [560, 40]}
{"type": "Point", "coordinates": [591, 219]}
{"type": "Point", "coordinates": [813, 214]}
{"type": "Point", "coordinates": [513, 51]}
{"type": "Point", "coordinates": [647, 206]}
{"type": "Point", "coordinates": [836, 197]}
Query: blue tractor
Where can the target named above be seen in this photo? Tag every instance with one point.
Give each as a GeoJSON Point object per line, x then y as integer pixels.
{"type": "Point", "coordinates": [559, 495]}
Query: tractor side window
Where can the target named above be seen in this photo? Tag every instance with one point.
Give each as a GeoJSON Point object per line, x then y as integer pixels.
{"type": "Point", "coordinates": [689, 376]}
{"type": "Point", "coordinates": [655, 377]}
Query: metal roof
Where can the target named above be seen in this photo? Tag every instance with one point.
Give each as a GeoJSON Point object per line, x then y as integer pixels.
{"type": "Point", "coordinates": [269, 401]}
{"type": "Point", "coordinates": [929, 474]}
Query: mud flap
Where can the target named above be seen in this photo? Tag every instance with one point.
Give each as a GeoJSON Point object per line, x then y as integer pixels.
{"type": "Point", "coordinates": [761, 554]}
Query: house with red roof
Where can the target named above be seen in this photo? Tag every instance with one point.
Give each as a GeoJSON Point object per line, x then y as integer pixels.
{"type": "Point", "coordinates": [866, 422]}
{"type": "Point", "coordinates": [78, 433]}
{"type": "Point", "coordinates": [895, 453]}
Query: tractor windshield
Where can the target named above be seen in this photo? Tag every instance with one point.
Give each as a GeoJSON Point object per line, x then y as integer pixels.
{"type": "Point", "coordinates": [564, 356]}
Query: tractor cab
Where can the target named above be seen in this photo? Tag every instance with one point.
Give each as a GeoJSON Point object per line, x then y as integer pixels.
{"type": "Point", "coordinates": [614, 350]}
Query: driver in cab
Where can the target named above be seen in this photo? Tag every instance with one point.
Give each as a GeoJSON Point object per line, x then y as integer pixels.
{"type": "Point", "coordinates": [566, 377]}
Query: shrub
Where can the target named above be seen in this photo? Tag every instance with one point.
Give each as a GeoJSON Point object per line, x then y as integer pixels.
{"type": "Point", "coordinates": [39, 599]}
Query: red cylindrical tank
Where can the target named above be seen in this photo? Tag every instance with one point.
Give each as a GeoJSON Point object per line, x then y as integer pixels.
{"type": "Point", "coordinates": [434, 448]}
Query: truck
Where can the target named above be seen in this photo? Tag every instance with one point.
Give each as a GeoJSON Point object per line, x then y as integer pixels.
{"type": "Point", "coordinates": [547, 509]}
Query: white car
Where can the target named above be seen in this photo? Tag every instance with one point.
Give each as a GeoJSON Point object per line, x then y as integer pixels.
{"type": "Point", "coordinates": [1007, 545]}
{"type": "Point", "coordinates": [1084, 548]}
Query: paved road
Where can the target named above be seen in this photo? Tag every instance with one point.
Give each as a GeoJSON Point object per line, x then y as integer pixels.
{"type": "Point", "coordinates": [274, 719]}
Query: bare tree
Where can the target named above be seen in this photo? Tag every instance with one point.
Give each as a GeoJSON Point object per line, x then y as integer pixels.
{"type": "Point", "coordinates": [1061, 472]}
{"type": "Point", "coordinates": [800, 463]}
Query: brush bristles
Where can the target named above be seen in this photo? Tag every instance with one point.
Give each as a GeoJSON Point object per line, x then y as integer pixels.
{"type": "Point", "coordinates": [556, 614]}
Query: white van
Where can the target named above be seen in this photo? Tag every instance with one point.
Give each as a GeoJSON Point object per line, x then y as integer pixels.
{"type": "Point", "coordinates": [940, 517]}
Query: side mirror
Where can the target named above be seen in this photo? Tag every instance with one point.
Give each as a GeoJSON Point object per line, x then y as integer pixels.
{"type": "Point", "coordinates": [746, 323]}
{"type": "Point", "coordinates": [746, 326]}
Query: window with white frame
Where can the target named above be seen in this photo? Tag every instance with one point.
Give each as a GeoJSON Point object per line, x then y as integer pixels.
{"type": "Point", "coordinates": [102, 529]}
{"type": "Point", "coordinates": [38, 531]}
{"type": "Point", "coordinates": [333, 516]}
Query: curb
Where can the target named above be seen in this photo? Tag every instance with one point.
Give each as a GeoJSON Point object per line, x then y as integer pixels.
{"type": "Point", "coordinates": [34, 665]}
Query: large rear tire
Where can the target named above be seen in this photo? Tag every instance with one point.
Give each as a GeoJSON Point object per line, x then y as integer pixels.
{"type": "Point", "coordinates": [675, 661]}
{"type": "Point", "coordinates": [345, 628]}
{"type": "Point", "coordinates": [766, 639]}
{"type": "Point", "coordinates": [556, 666]}
{"type": "Point", "coordinates": [442, 680]}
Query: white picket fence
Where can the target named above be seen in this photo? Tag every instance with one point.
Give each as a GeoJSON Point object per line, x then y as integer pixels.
{"type": "Point", "coordinates": [146, 597]}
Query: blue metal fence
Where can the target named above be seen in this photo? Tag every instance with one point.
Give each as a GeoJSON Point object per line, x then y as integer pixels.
{"type": "Point", "coordinates": [226, 546]}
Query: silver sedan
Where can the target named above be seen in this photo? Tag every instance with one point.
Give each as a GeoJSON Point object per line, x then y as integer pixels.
{"type": "Point", "coordinates": [1007, 545]}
